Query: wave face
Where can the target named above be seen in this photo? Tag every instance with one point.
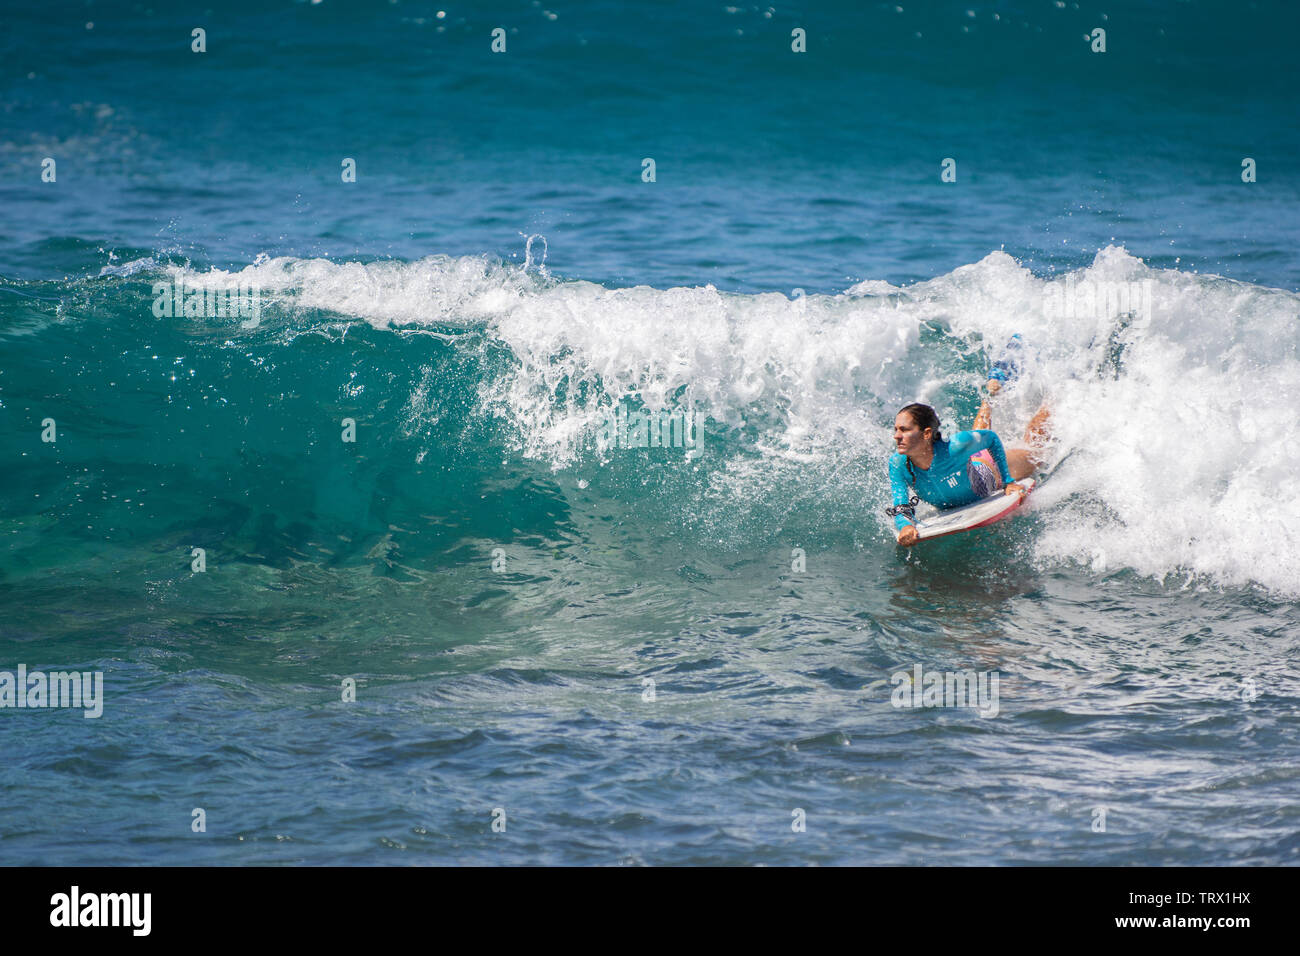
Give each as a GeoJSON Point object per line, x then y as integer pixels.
{"type": "Point", "coordinates": [1171, 452]}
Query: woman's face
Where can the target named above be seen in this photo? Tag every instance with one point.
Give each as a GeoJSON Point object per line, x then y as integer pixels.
{"type": "Point", "coordinates": [907, 437]}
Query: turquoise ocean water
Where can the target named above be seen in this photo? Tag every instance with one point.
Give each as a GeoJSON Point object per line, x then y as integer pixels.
{"type": "Point", "coordinates": [640, 655]}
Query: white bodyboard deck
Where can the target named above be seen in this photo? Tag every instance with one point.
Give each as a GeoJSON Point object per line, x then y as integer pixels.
{"type": "Point", "coordinates": [977, 515]}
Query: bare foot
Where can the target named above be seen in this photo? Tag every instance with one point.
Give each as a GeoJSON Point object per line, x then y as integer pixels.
{"type": "Point", "coordinates": [1039, 432]}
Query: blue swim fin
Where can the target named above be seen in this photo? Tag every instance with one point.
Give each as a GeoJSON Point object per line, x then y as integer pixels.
{"type": "Point", "coordinates": [1006, 368]}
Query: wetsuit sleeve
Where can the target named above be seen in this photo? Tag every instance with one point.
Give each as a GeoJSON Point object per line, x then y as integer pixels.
{"type": "Point", "coordinates": [969, 442]}
{"type": "Point", "coordinates": [898, 481]}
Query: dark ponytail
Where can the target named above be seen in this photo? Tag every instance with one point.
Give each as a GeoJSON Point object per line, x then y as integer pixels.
{"type": "Point", "coordinates": [923, 417]}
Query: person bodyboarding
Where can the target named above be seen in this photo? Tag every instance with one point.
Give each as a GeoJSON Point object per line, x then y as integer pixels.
{"type": "Point", "coordinates": [951, 473]}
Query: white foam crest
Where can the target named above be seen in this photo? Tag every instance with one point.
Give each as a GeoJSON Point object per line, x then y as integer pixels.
{"type": "Point", "coordinates": [790, 368]}
{"type": "Point", "coordinates": [447, 290]}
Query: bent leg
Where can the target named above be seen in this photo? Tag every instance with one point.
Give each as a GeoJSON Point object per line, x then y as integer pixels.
{"type": "Point", "coordinates": [1038, 434]}
{"type": "Point", "coordinates": [984, 417]}
{"type": "Point", "coordinates": [1021, 462]}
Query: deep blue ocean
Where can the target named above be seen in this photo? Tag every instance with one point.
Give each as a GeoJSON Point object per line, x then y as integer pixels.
{"type": "Point", "coordinates": [385, 473]}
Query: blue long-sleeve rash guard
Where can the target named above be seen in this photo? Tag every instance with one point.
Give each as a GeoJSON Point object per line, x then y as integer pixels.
{"type": "Point", "coordinates": [947, 482]}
